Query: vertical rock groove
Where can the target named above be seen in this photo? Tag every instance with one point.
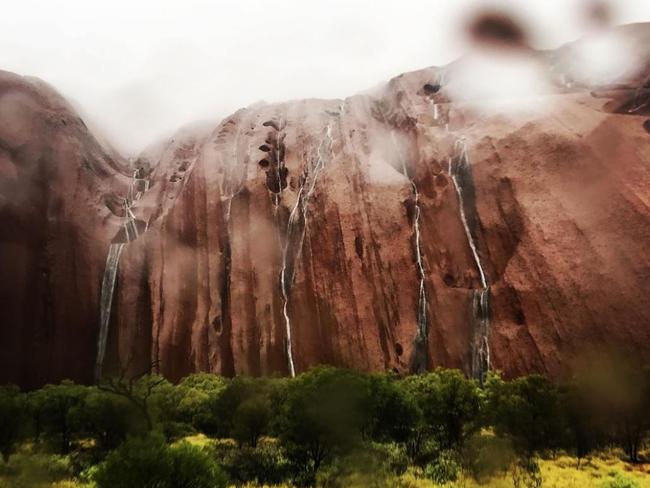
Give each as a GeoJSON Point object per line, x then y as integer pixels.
{"type": "Point", "coordinates": [420, 359]}
{"type": "Point", "coordinates": [106, 302]}
{"type": "Point", "coordinates": [420, 362]}
{"type": "Point", "coordinates": [132, 228]}
{"type": "Point", "coordinates": [460, 172]}
{"type": "Point", "coordinates": [295, 232]}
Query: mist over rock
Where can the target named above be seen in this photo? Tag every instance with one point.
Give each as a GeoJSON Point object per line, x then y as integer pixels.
{"type": "Point", "coordinates": [400, 229]}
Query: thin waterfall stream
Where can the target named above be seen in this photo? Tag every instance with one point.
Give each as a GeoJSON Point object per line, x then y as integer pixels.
{"type": "Point", "coordinates": [460, 172]}
{"type": "Point", "coordinates": [420, 362]}
{"type": "Point", "coordinates": [298, 223]}
{"type": "Point", "coordinates": [106, 302]}
{"type": "Point", "coordinates": [422, 292]}
{"type": "Point", "coordinates": [131, 233]}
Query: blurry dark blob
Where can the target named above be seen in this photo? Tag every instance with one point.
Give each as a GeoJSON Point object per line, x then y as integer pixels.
{"type": "Point", "coordinates": [630, 102]}
{"type": "Point", "coordinates": [265, 148]}
{"type": "Point", "coordinates": [276, 182]}
{"type": "Point", "coordinates": [141, 185]}
{"type": "Point", "coordinates": [498, 29]}
{"type": "Point", "coordinates": [599, 13]}
{"type": "Point", "coordinates": [431, 88]}
{"type": "Point", "coordinates": [264, 163]}
{"type": "Point", "coordinates": [646, 126]}
{"type": "Point", "coordinates": [271, 123]}
{"type": "Point", "coordinates": [115, 204]}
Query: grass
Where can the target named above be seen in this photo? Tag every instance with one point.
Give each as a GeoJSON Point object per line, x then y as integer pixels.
{"type": "Point", "coordinates": [28, 469]}
{"type": "Point", "coordinates": [564, 473]}
{"type": "Point", "coordinates": [561, 472]}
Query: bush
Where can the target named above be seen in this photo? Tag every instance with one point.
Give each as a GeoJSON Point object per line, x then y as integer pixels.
{"type": "Point", "coordinates": [263, 464]}
{"type": "Point", "coordinates": [150, 463]}
{"type": "Point", "coordinates": [526, 474]}
{"type": "Point", "coordinates": [393, 457]}
{"type": "Point", "coordinates": [364, 468]}
{"type": "Point", "coordinates": [619, 480]}
{"type": "Point", "coordinates": [26, 469]}
{"type": "Point", "coordinates": [444, 469]}
{"type": "Point", "coordinates": [486, 456]}
{"type": "Point", "coordinates": [194, 467]}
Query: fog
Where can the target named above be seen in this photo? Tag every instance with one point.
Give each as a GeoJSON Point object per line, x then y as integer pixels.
{"type": "Point", "coordinates": [138, 70]}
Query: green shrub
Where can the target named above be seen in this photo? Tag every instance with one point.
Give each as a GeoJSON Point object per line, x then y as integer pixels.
{"type": "Point", "coordinates": [35, 470]}
{"type": "Point", "coordinates": [194, 467]}
{"type": "Point", "coordinates": [366, 467]}
{"type": "Point", "coordinates": [526, 473]}
{"type": "Point", "coordinates": [264, 464]}
{"type": "Point", "coordinates": [393, 456]}
{"type": "Point", "coordinates": [486, 456]}
{"type": "Point", "coordinates": [150, 463]}
{"type": "Point", "coordinates": [619, 480]}
{"type": "Point", "coordinates": [444, 469]}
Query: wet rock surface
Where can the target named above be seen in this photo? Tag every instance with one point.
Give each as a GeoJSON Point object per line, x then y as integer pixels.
{"type": "Point", "coordinates": [285, 236]}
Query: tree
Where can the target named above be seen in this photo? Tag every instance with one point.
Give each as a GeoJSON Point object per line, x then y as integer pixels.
{"type": "Point", "coordinates": [584, 430]}
{"type": "Point", "coordinates": [450, 405]}
{"type": "Point", "coordinates": [527, 410]}
{"type": "Point", "coordinates": [244, 409]}
{"type": "Point", "coordinates": [633, 412]}
{"type": "Point", "coordinates": [54, 406]}
{"type": "Point", "coordinates": [392, 413]}
{"type": "Point", "coordinates": [615, 393]}
{"type": "Point", "coordinates": [137, 389]}
{"type": "Point", "coordinates": [264, 464]}
{"type": "Point", "coordinates": [106, 418]}
{"type": "Point", "coordinates": [251, 419]}
{"type": "Point", "coordinates": [190, 403]}
{"type": "Point", "coordinates": [322, 418]}
{"type": "Point", "coordinates": [198, 392]}
{"type": "Point", "coordinates": [13, 418]}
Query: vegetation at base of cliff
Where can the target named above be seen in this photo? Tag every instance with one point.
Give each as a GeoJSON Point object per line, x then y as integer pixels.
{"type": "Point", "coordinates": [331, 428]}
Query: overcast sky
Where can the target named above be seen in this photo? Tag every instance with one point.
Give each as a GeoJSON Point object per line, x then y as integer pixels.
{"type": "Point", "coordinates": [140, 69]}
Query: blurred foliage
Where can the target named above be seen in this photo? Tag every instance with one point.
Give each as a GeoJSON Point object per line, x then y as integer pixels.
{"type": "Point", "coordinates": [148, 462]}
{"type": "Point", "coordinates": [332, 428]}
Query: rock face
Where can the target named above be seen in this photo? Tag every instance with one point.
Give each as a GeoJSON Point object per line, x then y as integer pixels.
{"type": "Point", "coordinates": [394, 230]}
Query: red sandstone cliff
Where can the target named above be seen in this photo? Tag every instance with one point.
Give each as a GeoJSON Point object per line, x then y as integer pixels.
{"type": "Point", "coordinates": [391, 230]}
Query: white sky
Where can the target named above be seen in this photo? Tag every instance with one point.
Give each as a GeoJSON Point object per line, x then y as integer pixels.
{"type": "Point", "coordinates": [142, 68]}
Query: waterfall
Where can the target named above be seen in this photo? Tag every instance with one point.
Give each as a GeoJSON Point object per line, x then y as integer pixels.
{"type": "Point", "coordinates": [298, 218]}
{"type": "Point", "coordinates": [105, 303]}
{"type": "Point", "coordinates": [422, 294]}
{"type": "Point", "coordinates": [460, 172]}
{"type": "Point", "coordinates": [421, 361]}
{"type": "Point", "coordinates": [457, 167]}
{"type": "Point", "coordinates": [422, 297]}
{"type": "Point", "coordinates": [284, 288]}
{"type": "Point", "coordinates": [481, 346]}
{"type": "Point", "coordinates": [110, 272]}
